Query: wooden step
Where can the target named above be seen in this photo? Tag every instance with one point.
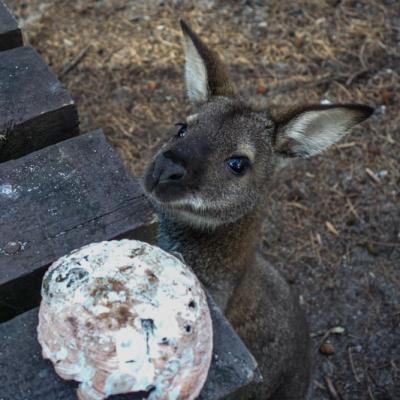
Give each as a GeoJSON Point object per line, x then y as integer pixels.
{"type": "Point", "coordinates": [25, 375]}
{"type": "Point", "coordinates": [10, 34]}
{"type": "Point", "coordinates": [35, 110]}
{"type": "Point", "coordinates": [58, 199]}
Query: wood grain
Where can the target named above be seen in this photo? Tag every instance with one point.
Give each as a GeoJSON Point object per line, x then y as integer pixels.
{"type": "Point", "coordinates": [58, 199]}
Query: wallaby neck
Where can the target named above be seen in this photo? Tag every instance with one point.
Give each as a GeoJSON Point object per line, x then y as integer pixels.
{"type": "Point", "coordinates": [219, 257]}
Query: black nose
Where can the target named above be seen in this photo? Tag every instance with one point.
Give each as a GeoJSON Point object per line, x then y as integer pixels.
{"type": "Point", "coordinates": [167, 170]}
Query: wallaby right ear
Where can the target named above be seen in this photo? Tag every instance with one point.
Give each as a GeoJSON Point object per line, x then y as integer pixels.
{"type": "Point", "coordinates": [309, 131]}
{"type": "Point", "coordinates": [205, 74]}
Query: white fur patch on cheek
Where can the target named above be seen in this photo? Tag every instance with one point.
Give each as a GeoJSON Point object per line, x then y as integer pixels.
{"type": "Point", "coordinates": [197, 203]}
{"type": "Point", "coordinates": [195, 74]}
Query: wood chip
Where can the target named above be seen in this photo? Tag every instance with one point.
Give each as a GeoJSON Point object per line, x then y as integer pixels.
{"type": "Point", "coordinates": [331, 229]}
{"type": "Point", "coordinates": [372, 175]}
{"type": "Point", "coordinates": [390, 139]}
{"type": "Point", "coordinates": [345, 145]}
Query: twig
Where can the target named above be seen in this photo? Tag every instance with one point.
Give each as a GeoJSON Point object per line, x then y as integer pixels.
{"type": "Point", "coordinates": [356, 75]}
{"type": "Point", "coordinates": [352, 208]}
{"type": "Point", "coordinates": [373, 176]}
{"type": "Point", "coordinates": [303, 85]}
{"type": "Point", "coordinates": [352, 365]}
{"type": "Point", "coordinates": [371, 395]}
{"type": "Point", "coordinates": [361, 55]}
{"type": "Point", "coordinates": [74, 62]}
{"type": "Point", "coordinates": [343, 78]}
{"type": "Point", "coordinates": [332, 390]}
{"type": "Point", "coordinates": [388, 244]}
{"type": "Point", "coordinates": [319, 385]}
{"type": "Point", "coordinates": [295, 204]}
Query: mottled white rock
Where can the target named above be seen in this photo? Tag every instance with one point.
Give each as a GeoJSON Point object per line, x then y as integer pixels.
{"type": "Point", "coordinates": [124, 316]}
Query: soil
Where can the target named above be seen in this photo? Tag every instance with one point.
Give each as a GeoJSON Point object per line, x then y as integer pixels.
{"type": "Point", "coordinates": [332, 223]}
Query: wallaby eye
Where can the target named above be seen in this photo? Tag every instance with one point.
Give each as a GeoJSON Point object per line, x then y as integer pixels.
{"type": "Point", "coordinates": [238, 165]}
{"type": "Point", "coordinates": [182, 130]}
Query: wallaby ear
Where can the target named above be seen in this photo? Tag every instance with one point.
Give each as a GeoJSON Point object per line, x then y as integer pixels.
{"type": "Point", "coordinates": [205, 74]}
{"type": "Point", "coordinates": [313, 129]}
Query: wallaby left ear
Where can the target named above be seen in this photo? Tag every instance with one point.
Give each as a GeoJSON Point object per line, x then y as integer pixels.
{"type": "Point", "coordinates": [315, 128]}
{"type": "Point", "coordinates": [205, 73]}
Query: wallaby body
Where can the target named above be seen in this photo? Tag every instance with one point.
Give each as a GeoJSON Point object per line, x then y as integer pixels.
{"type": "Point", "coordinates": [208, 183]}
{"type": "Point", "coordinates": [254, 297]}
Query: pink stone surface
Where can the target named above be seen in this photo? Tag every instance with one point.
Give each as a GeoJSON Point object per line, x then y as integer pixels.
{"type": "Point", "coordinates": [125, 316]}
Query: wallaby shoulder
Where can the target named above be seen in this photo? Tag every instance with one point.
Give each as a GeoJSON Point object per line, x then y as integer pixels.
{"type": "Point", "coordinates": [265, 310]}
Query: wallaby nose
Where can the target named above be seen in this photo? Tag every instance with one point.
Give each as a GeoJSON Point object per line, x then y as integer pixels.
{"type": "Point", "coordinates": [167, 170]}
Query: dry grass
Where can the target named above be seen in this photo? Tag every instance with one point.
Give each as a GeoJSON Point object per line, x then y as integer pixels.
{"type": "Point", "coordinates": [332, 223]}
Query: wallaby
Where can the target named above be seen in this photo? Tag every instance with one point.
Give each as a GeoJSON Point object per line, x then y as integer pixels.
{"type": "Point", "coordinates": [208, 183]}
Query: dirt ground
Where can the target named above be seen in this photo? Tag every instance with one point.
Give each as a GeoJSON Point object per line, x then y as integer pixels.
{"type": "Point", "coordinates": [333, 222]}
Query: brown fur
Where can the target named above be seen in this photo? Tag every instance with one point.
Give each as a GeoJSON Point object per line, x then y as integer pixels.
{"type": "Point", "coordinates": [212, 216]}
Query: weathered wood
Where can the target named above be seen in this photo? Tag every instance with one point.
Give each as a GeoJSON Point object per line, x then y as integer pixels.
{"type": "Point", "coordinates": [10, 34]}
{"type": "Point", "coordinates": [35, 110]}
{"type": "Point", "coordinates": [24, 375]}
{"type": "Point", "coordinates": [58, 199]}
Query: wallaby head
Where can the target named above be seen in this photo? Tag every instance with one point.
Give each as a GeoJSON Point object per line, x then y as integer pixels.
{"type": "Point", "coordinates": [216, 165]}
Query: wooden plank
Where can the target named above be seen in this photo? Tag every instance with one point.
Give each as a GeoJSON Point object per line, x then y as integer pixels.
{"type": "Point", "coordinates": [58, 199]}
{"type": "Point", "coordinates": [10, 34]}
{"type": "Point", "coordinates": [24, 375]}
{"type": "Point", "coordinates": [35, 110]}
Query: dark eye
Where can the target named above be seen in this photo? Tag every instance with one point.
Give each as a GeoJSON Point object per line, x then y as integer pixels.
{"type": "Point", "coordinates": [182, 130]}
{"type": "Point", "coordinates": [238, 164]}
